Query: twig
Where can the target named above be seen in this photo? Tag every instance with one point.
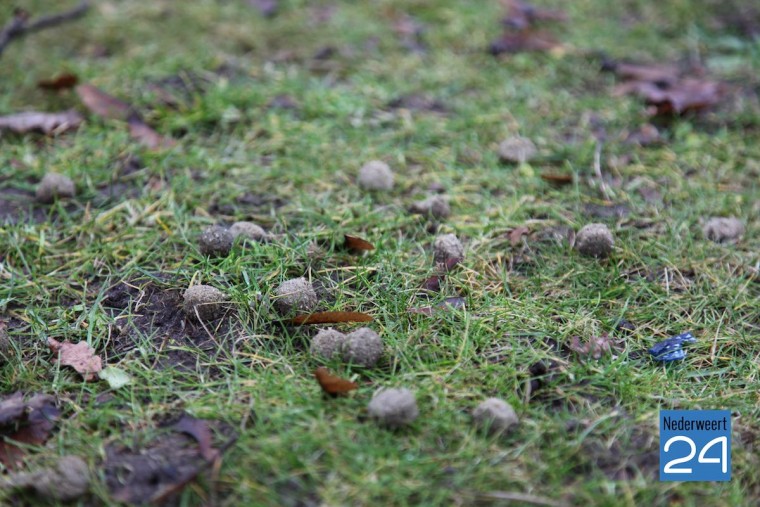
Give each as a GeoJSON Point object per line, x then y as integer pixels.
{"type": "Point", "coordinates": [598, 170]}
{"type": "Point", "coordinates": [21, 25]}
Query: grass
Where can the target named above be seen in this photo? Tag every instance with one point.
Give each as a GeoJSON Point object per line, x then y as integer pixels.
{"type": "Point", "coordinates": [587, 422]}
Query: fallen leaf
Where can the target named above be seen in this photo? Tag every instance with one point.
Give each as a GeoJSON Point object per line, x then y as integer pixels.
{"type": "Point", "coordinates": [102, 104]}
{"type": "Point", "coordinates": [79, 356]}
{"type": "Point", "coordinates": [433, 284]}
{"type": "Point", "coordinates": [558, 179]}
{"type": "Point", "coordinates": [59, 82]}
{"type": "Point", "coordinates": [453, 303]}
{"type": "Point", "coordinates": [516, 234]}
{"type": "Point", "coordinates": [527, 40]}
{"type": "Point", "coordinates": [199, 430]}
{"type": "Point", "coordinates": [332, 384]}
{"type": "Point", "coordinates": [521, 15]}
{"type": "Point", "coordinates": [46, 123]}
{"type": "Point", "coordinates": [141, 132]}
{"type": "Point", "coordinates": [26, 422]}
{"type": "Point", "coordinates": [116, 377]}
{"type": "Point", "coordinates": [356, 244]}
{"type": "Point", "coordinates": [660, 75]}
{"type": "Point", "coordinates": [331, 318]}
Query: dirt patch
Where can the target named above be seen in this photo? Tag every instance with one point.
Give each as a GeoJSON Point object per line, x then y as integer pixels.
{"type": "Point", "coordinates": [248, 204]}
{"type": "Point", "coordinates": [145, 309]}
{"type": "Point", "coordinates": [18, 205]}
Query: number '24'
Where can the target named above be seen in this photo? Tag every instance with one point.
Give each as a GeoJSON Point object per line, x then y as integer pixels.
{"type": "Point", "coordinates": [723, 460]}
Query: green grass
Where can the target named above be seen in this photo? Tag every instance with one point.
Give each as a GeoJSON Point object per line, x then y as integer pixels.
{"type": "Point", "coordinates": [588, 421]}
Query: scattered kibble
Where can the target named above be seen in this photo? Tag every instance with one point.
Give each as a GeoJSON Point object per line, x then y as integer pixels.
{"type": "Point", "coordinates": [723, 230]}
{"type": "Point", "coordinates": [594, 240]}
{"type": "Point", "coordinates": [375, 175]}
{"type": "Point", "coordinates": [327, 344]}
{"type": "Point", "coordinates": [215, 241]}
{"type": "Point", "coordinates": [436, 206]}
{"type": "Point", "coordinates": [204, 301]}
{"type": "Point", "coordinates": [495, 416]}
{"type": "Point", "coordinates": [295, 296]}
{"type": "Point", "coordinates": [393, 408]}
{"type": "Point", "coordinates": [248, 231]}
{"type": "Point", "coordinates": [517, 150]}
{"type": "Point", "coordinates": [446, 248]}
{"type": "Point", "coordinates": [54, 186]}
{"type": "Point", "coordinates": [363, 347]}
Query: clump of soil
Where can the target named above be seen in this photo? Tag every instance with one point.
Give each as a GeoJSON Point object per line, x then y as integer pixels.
{"type": "Point", "coordinates": [393, 408]}
{"type": "Point", "coordinates": [375, 175]}
{"type": "Point", "coordinates": [723, 230]}
{"type": "Point", "coordinates": [204, 302]}
{"type": "Point", "coordinates": [517, 150]}
{"type": "Point", "coordinates": [294, 297]}
{"type": "Point", "coordinates": [54, 186]}
{"type": "Point", "coordinates": [215, 241]}
{"type": "Point", "coordinates": [248, 231]}
{"type": "Point", "coordinates": [327, 344]}
{"type": "Point", "coordinates": [363, 347]}
{"type": "Point", "coordinates": [447, 248]}
{"type": "Point", "coordinates": [495, 416]}
{"type": "Point", "coordinates": [594, 240]}
{"type": "Point", "coordinates": [436, 206]}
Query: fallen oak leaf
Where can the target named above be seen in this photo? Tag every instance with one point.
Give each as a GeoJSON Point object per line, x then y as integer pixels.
{"type": "Point", "coordinates": [357, 244]}
{"type": "Point", "coordinates": [79, 356]}
{"type": "Point", "coordinates": [102, 104]}
{"type": "Point", "coordinates": [331, 318]}
{"type": "Point", "coordinates": [31, 425]}
{"type": "Point", "coordinates": [332, 384]}
{"type": "Point", "coordinates": [47, 123]}
{"type": "Point", "coordinates": [199, 430]}
{"type": "Point", "coordinates": [143, 133]}
{"type": "Point", "coordinates": [59, 82]}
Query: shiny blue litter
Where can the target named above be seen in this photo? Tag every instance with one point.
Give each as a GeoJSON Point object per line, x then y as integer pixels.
{"type": "Point", "coordinates": [671, 349]}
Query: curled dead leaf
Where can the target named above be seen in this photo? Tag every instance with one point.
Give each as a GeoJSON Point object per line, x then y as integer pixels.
{"type": "Point", "coordinates": [102, 104]}
{"type": "Point", "coordinates": [356, 244]}
{"type": "Point", "coordinates": [26, 422]}
{"type": "Point", "coordinates": [199, 430]}
{"type": "Point", "coordinates": [79, 356]}
{"type": "Point", "coordinates": [47, 123]}
{"type": "Point", "coordinates": [144, 134]}
{"type": "Point", "coordinates": [60, 82]}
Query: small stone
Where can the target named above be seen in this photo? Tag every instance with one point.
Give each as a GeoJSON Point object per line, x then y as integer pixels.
{"type": "Point", "coordinates": [294, 297]}
{"type": "Point", "coordinates": [436, 206]}
{"type": "Point", "coordinates": [70, 479]}
{"type": "Point", "coordinates": [363, 347]}
{"type": "Point", "coordinates": [495, 416]}
{"type": "Point", "coordinates": [248, 231]}
{"type": "Point", "coordinates": [54, 186]}
{"type": "Point", "coordinates": [517, 150]}
{"type": "Point", "coordinates": [205, 301]}
{"type": "Point", "coordinates": [446, 248]}
{"type": "Point", "coordinates": [723, 230]}
{"type": "Point", "coordinates": [594, 240]}
{"type": "Point", "coordinates": [215, 241]}
{"type": "Point", "coordinates": [327, 344]}
{"type": "Point", "coordinates": [375, 175]}
{"type": "Point", "coordinates": [393, 408]}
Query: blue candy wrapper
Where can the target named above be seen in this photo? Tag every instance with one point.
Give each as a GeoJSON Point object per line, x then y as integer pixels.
{"type": "Point", "coordinates": [671, 349]}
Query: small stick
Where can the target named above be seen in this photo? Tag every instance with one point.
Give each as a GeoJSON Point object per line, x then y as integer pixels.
{"type": "Point", "coordinates": [20, 25]}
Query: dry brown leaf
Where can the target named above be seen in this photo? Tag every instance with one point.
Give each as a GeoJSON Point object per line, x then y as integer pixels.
{"type": "Point", "coordinates": [46, 123]}
{"type": "Point", "coordinates": [526, 40]}
{"type": "Point", "coordinates": [143, 133]}
{"type": "Point", "coordinates": [27, 422]}
{"type": "Point", "coordinates": [332, 384]}
{"type": "Point", "coordinates": [59, 82]}
{"type": "Point", "coordinates": [356, 244]}
{"type": "Point", "coordinates": [199, 430]}
{"type": "Point", "coordinates": [521, 15]}
{"type": "Point", "coordinates": [79, 356]}
{"type": "Point", "coordinates": [102, 104]}
{"type": "Point", "coordinates": [331, 318]}
{"type": "Point", "coordinates": [595, 347]}
{"type": "Point", "coordinates": [516, 234]}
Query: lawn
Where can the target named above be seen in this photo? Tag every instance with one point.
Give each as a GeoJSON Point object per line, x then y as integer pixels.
{"type": "Point", "coordinates": [272, 119]}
